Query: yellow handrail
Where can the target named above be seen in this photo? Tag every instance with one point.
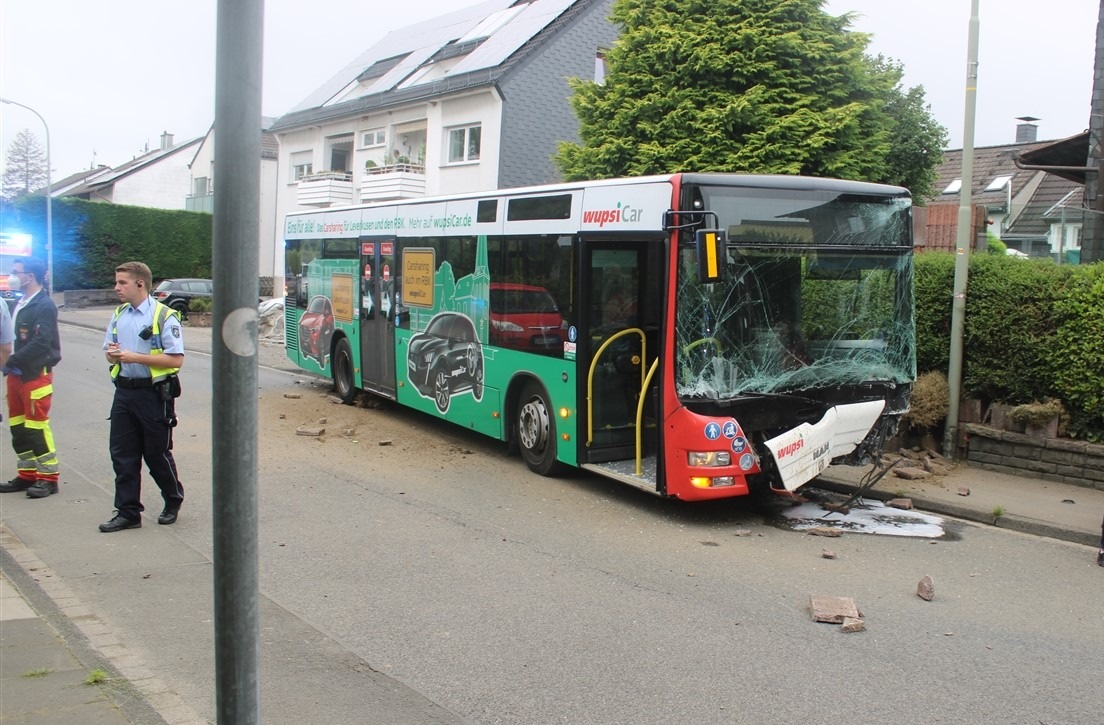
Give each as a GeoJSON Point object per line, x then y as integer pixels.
{"type": "Point", "coordinates": [640, 411]}
{"type": "Point", "coordinates": [594, 365]}
{"type": "Point", "coordinates": [716, 343]}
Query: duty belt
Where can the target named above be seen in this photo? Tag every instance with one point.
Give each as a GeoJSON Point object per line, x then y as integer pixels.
{"type": "Point", "coordinates": [122, 382]}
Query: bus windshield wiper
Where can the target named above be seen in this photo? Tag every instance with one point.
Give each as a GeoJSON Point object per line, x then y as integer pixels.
{"type": "Point", "coordinates": [778, 396]}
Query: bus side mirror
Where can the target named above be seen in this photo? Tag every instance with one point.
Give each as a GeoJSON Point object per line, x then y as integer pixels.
{"type": "Point", "coordinates": [711, 255]}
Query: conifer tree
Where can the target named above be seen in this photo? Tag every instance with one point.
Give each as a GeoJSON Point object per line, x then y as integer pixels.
{"type": "Point", "coordinates": [25, 167]}
{"type": "Point", "coordinates": [756, 86]}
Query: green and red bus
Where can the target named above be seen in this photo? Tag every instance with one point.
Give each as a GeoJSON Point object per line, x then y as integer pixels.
{"type": "Point", "coordinates": [697, 336]}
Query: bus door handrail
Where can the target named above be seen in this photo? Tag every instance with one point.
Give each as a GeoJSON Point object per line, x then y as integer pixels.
{"type": "Point", "coordinates": [594, 366]}
{"type": "Point", "coordinates": [640, 412]}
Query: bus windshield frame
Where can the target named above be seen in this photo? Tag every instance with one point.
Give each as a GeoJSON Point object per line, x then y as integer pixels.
{"type": "Point", "coordinates": [816, 295]}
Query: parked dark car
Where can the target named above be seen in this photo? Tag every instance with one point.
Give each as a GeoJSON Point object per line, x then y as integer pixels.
{"type": "Point", "coordinates": [445, 359]}
{"type": "Point", "coordinates": [316, 328]}
{"type": "Point", "coordinates": [177, 293]}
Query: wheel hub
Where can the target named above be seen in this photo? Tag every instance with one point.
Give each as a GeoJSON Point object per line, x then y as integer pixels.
{"type": "Point", "coordinates": [533, 427]}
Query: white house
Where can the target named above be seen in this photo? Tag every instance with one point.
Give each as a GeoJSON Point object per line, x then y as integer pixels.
{"type": "Point", "coordinates": [475, 99]}
{"type": "Point", "coordinates": [159, 179]}
{"type": "Point", "coordinates": [202, 199]}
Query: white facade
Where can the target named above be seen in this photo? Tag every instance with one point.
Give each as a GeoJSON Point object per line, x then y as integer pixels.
{"type": "Point", "coordinates": [398, 153]}
{"type": "Point", "coordinates": [202, 188]}
{"type": "Point", "coordinates": [159, 180]}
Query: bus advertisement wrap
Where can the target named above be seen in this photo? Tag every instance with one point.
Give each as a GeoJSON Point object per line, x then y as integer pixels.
{"type": "Point", "coordinates": [575, 322]}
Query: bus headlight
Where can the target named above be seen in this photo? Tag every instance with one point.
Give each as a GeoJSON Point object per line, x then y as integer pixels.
{"type": "Point", "coordinates": [709, 458]}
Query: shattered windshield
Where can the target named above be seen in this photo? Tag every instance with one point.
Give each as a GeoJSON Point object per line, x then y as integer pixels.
{"type": "Point", "coordinates": [817, 292]}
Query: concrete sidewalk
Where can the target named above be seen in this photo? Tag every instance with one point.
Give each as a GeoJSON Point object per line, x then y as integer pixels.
{"type": "Point", "coordinates": [59, 664]}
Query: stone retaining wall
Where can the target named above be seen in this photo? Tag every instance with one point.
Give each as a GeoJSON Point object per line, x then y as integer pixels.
{"type": "Point", "coordinates": [90, 298]}
{"type": "Point", "coordinates": [1052, 459]}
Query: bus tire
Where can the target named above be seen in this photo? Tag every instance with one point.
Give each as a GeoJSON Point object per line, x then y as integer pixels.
{"type": "Point", "coordinates": [344, 384]}
{"type": "Point", "coordinates": [536, 431]}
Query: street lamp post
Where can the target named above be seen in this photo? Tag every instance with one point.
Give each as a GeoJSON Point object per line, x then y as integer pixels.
{"type": "Point", "coordinates": [49, 281]}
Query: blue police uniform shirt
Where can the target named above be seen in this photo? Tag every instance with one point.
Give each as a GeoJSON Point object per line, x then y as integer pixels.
{"type": "Point", "coordinates": [132, 320]}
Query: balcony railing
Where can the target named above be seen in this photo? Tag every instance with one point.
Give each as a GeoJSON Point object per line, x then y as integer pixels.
{"type": "Point", "coordinates": [393, 181]}
{"type": "Point", "coordinates": [200, 202]}
{"type": "Point", "coordinates": [327, 188]}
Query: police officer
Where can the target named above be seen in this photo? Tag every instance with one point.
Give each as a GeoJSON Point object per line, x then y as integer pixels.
{"type": "Point", "coordinates": [145, 348]}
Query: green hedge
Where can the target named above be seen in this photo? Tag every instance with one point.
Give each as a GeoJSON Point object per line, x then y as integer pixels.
{"type": "Point", "coordinates": [1034, 330]}
{"type": "Point", "coordinates": [90, 239]}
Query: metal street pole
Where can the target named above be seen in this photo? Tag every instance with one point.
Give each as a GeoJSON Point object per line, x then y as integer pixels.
{"type": "Point", "coordinates": [49, 281]}
{"type": "Point", "coordinates": [965, 242]}
{"type": "Point", "coordinates": [239, 33]}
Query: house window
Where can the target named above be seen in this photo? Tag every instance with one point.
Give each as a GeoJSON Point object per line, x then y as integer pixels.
{"type": "Point", "coordinates": [375, 137]}
{"type": "Point", "coordinates": [464, 144]}
{"type": "Point", "coordinates": [200, 187]}
{"type": "Point", "coordinates": [600, 67]}
{"type": "Point", "coordinates": [340, 149]}
{"type": "Point", "coordinates": [954, 187]}
{"type": "Point", "coordinates": [301, 165]}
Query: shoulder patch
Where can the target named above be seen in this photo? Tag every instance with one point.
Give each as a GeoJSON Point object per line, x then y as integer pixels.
{"type": "Point", "coordinates": [176, 330]}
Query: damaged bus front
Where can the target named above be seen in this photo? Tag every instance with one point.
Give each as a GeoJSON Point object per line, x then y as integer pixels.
{"type": "Point", "coordinates": [794, 327]}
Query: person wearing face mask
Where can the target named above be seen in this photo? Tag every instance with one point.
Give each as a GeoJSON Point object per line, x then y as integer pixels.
{"type": "Point", "coordinates": [29, 376]}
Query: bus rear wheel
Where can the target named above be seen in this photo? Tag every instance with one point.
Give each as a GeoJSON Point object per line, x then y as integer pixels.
{"type": "Point", "coordinates": [344, 384]}
{"type": "Point", "coordinates": [536, 431]}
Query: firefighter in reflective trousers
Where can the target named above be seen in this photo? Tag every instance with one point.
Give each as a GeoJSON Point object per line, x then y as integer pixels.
{"type": "Point", "coordinates": [145, 347]}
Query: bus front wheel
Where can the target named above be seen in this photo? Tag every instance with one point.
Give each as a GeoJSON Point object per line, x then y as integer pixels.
{"type": "Point", "coordinates": [344, 384]}
{"type": "Point", "coordinates": [536, 431]}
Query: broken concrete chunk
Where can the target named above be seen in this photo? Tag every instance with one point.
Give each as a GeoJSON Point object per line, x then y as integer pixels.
{"type": "Point", "coordinates": [832, 609]}
{"type": "Point", "coordinates": [827, 554]}
{"type": "Point", "coordinates": [310, 430]}
{"type": "Point", "coordinates": [963, 491]}
{"type": "Point", "coordinates": [910, 473]}
{"type": "Point", "coordinates": [852, 625]}
{"type": "Point", "coordinates": [824, 531]}
{"type": "Point", "coordinates": [934, 455]}
{"type": "Point", "coordinates": [293, 396]}
{"type": "Point", "coordinates": [335, 400]}
{"type": "Point", "coordinates": [385, 442]}
{"type": "Point", "coordinates": [900, 503]}
{"type": "Point", "coordinates": [926, 589]}
{"type": "Point", "coordinates": [349, 432]}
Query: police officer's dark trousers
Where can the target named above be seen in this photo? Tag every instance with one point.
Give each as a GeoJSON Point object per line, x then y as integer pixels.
{"type": "Point", "coordinates": [141, 428]}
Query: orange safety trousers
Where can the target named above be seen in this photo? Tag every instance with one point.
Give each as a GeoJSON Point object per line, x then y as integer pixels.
{"type": "Point", "coordinates": [29, 419]}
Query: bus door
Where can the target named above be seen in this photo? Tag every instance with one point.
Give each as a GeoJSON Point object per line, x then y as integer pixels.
{"type": "Point", "coordinates": [377, 339]}
{"type": "Point", "coordinates": [621, 304]}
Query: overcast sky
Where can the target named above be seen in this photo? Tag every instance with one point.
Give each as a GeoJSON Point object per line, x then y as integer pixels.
{"type": "Point", "coordinates": [110, 77]}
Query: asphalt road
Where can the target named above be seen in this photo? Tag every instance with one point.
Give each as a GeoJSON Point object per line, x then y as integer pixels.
{"type": "Point", "coordinates": [467, 589]}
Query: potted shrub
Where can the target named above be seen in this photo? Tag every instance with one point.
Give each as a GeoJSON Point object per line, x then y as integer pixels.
{"type": "Point", "coordinates": [199, 312]}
